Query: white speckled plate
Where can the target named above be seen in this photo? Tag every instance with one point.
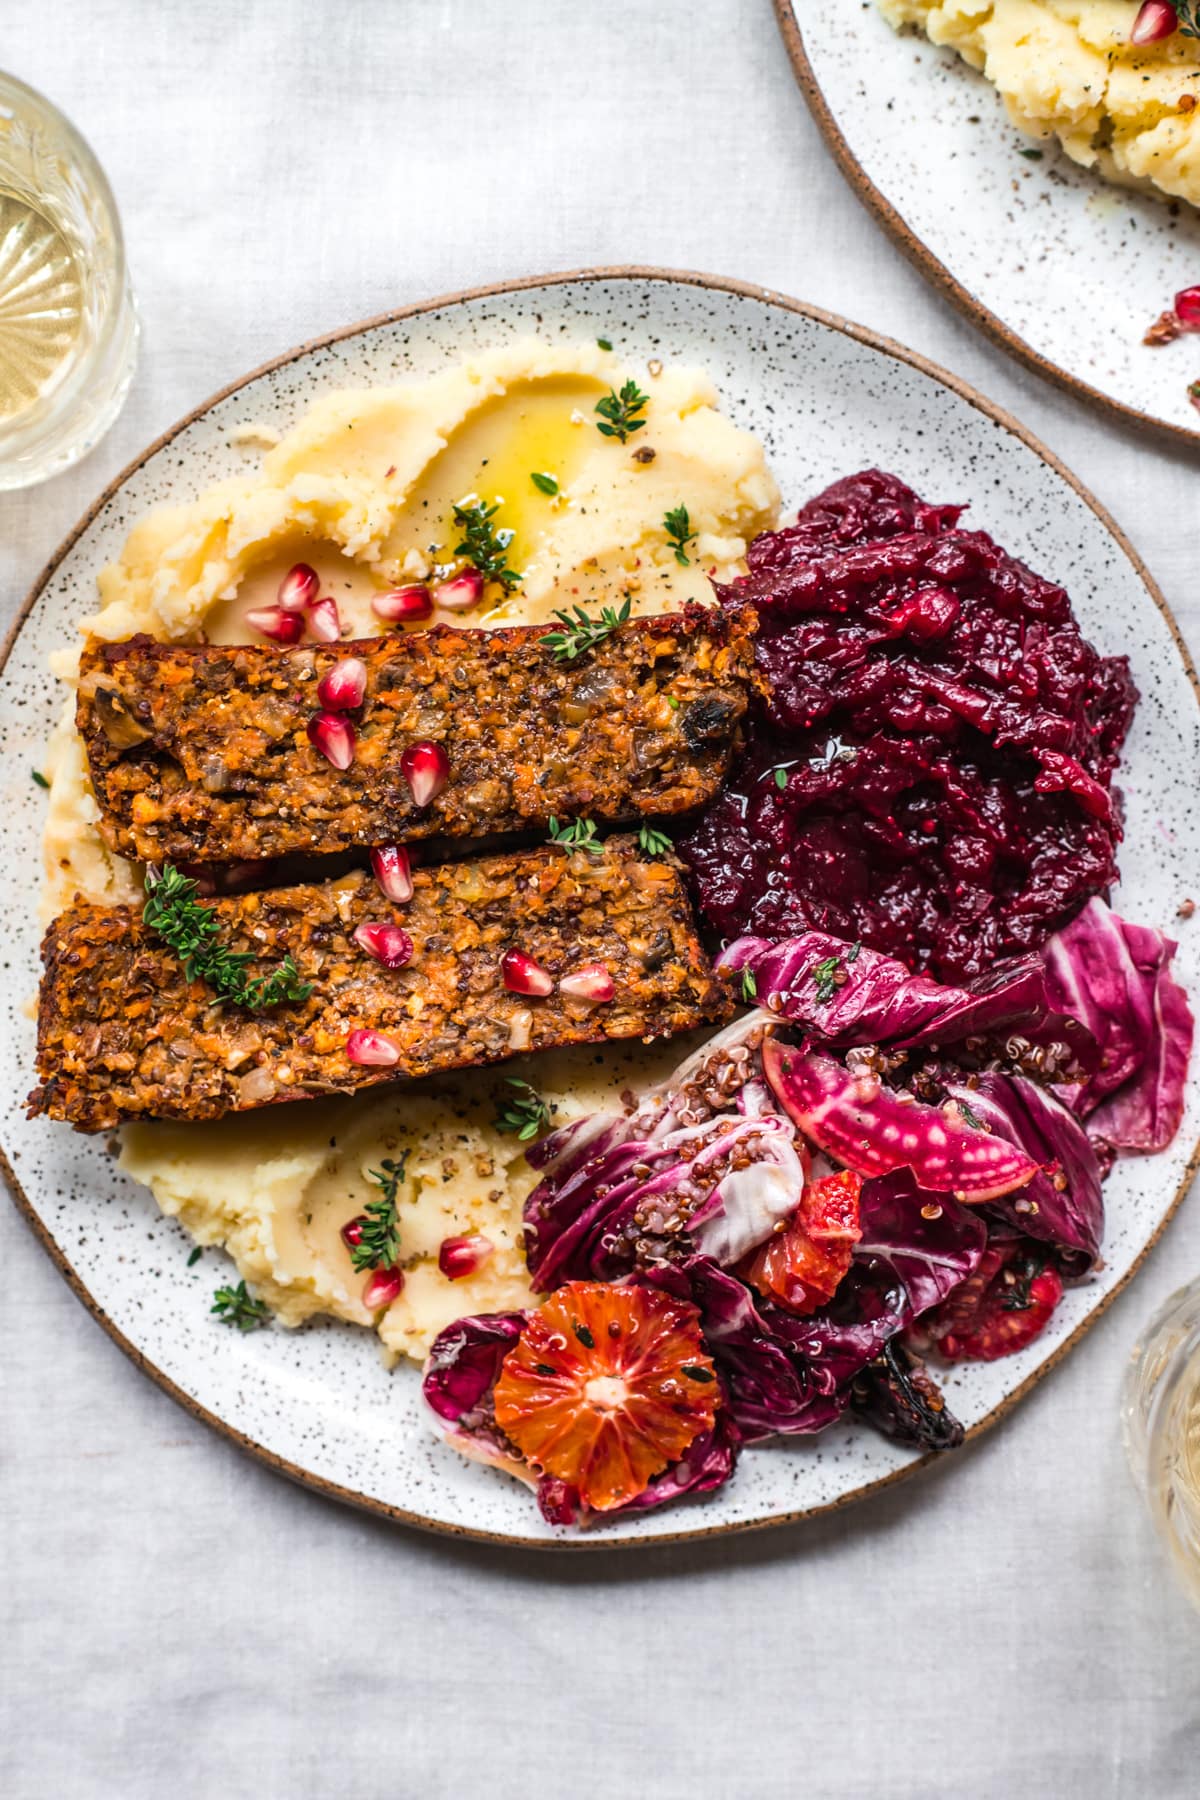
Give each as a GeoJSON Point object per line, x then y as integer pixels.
{"type": "Point", "coordinates": [1060, 267]}
{"type": "Point", "coordinates": [827, 398]}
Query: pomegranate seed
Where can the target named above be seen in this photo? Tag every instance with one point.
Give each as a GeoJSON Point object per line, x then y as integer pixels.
{"type": "Point", "coordinates": [333, 735]}
{"type": "Point", "coordinates": [372, 1048]}
{"type": "Point", "coordinates": [299, 588]}
{"type": "Point", "coordinates": [426, 768]}
{"type": "Point", "coordinates": [393, 872]}
{"type": "Point", "coordinates": [521, 975]}
{"type": "Point", "coordinates": [1187, 308]}
{"type": "Point", "coordinates": [592, 983]}
{"type": "Point", "coordinates": [324, 623]}
{"type": "Point", "coordinates": [383, 1286]}
{"type": "Point", "coordinates": [281, 627]}
{"type": "Point", "coordinates": [459, 1256]}
{"type": "Point", "coordinates": [386, 943]}
{"type": "Point", "coordinates": [342, 687]}
{"type": "Point", "coordinates": [461, 591]}
{"type": "Point", "coordinates": [406, 604]}
{"type": "Point", "coordinates": [352, 1231]}
{"type": "Point", "coordinates": [1155, 20]}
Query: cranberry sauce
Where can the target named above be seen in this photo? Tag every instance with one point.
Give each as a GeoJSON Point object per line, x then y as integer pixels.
{"type": "Point", "coordinates": [932, 771]}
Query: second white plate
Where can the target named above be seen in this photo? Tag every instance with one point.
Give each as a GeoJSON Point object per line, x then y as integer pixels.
{"type": "Point", "coordinates": [1064, 270]}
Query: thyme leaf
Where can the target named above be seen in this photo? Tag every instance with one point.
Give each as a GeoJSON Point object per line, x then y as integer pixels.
{"type": "Point", "coordinates": [545, 484]}
{"type": "Point", "coordinates": [484, 545]}
{"type": "Point", "coordinates": [39, 778]}
{"type": "Point", "coordinates": [576, 834]}
{"type": "Point", "coordinates": [237, 1306]}
{"type": "Point", "coordinates": [379, 1244]}
{"type": "Point", "coordinates": [192, 930]}
{"type": "Point", "coordinates": [618, 412]}
{"type": "Point", "coordinates": [582, 633]}
{"type": "Point", "coordinates": [653, 843]}
{"type": "Point", "coordinates": [680, 533]}
{"type": "Point", "coordinates": [825, 975]}
{"type": "Point", "coordinates": [523, 1113]}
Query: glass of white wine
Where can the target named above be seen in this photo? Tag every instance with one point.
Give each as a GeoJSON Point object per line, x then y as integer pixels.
{"type": "Point", "coordinates": [68, 324]}
{"type": "Point", "coordinates": [1161, 1420]}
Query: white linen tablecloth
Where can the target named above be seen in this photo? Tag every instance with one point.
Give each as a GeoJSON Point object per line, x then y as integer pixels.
{"type": "Point", "coordinates": [176, 1623]}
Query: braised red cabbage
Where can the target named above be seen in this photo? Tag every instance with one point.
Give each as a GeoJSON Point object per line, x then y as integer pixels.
{"type": "Point", "coordinates": [932, 772]}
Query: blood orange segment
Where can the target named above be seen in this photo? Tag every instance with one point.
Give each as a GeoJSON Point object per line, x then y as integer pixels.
{"type": "Point", "coordinates": [606, 1387]}
{"type": "Point", "coordinates": [800, 1267]}
{"type": "Point", "coordinates": [999, 1309]}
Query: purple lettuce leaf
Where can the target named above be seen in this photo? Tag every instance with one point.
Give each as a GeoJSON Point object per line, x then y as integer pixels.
{"type": "Point", "coordinates": [1116, 979]}
{"type": "Point", "coordinates": [848, 995]}
{"type": "Point", "coordinates": [772, 1390]}
{"type": "Point", "coordinates": [1063, 1204]}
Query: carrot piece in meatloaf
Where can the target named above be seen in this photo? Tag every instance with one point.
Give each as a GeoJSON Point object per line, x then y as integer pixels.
{"type": "Point", "coordinates": [201, 753]}
{"type": "Point", "coordinates": [123, 1033]}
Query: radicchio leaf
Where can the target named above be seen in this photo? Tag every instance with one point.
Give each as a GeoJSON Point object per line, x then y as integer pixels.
{"type": "Point", "coordinates": [1069, 1216]}
{"type": "Point", "coordinates": [873, 1131]}
{"type": "Point", "coordinates": [771, 1390]}
{"type": "Point", "coordinates": [653, 1181]}
{"type": "Point", "coordinates": [1116, 978]}
{"type": "Point", "coordinates": [848, 995]}
{"type": "Point", "coordinates": [461, 1370]}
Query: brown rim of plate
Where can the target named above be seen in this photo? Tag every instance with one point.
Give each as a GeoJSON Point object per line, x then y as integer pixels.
{"type": "Point", "coordinates": [885, 346]}
{"type": "Point", "coordinates": [922, 257]}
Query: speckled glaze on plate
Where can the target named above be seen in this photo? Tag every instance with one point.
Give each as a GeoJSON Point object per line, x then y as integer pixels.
{"type": "Point", "coordinates": [826, 398]}
{"type": "Point", "coordinates": [1061, 268]}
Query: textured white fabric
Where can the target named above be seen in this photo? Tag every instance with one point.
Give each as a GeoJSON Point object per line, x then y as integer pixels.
{"type": "Point", "coordinates": [176, 1621]}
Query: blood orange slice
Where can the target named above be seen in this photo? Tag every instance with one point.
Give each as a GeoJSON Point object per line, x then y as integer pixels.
{"type": "Point", "coordinates": [606, 1387]}
{"type": "Point", "coordinates": [999, 1309]}
{"type": "Point", "coordinates": [800, 1267]}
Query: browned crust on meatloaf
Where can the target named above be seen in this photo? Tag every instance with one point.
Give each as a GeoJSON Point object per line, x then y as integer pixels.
{"type": "Point", "coordinates": [200, 753]}
{"type": "Point", "coordinates": [122, 1033]}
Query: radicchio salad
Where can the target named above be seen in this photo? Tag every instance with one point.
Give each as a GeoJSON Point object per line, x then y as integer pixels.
{"type": "Point", "coordinates": [893, 1160]}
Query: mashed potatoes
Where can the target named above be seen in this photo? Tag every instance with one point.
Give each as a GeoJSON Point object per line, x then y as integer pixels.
{"type": "Point", "coordinates": [364, 488]}
{"type": "Point", "coordinates": [1066, 68]}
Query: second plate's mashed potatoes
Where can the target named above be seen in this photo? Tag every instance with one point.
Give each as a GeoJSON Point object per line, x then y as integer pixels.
{"type": "Point", "coordinates": [363, 488]}
{"type": "Point", "coordinates": [1066, 69]}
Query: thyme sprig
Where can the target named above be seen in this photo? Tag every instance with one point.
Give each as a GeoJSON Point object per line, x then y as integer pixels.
{"type": "Point", "coordinates": [680, 533]}
{"type": "Point", "coordinates": [523, 1112]}
{"type": "Point", "coordinates": [379, 1244]}
{"type": "Point", "coordinates": [1187, 13]}
{"type": "Point", "coordinates": [237, 1306]}
{"type": "Point", "coordinates": [484, 545]}
{"type": "Point", "coordinates": [576, 834]}
{"type": "Point", "coordinates": [618, 412]}
{"type": "Point", "coordinates": [581, 633]}
{"type": "Point", "coordinates": [193, 930]}
{"type": "Point", "coordinates": [653, 843]}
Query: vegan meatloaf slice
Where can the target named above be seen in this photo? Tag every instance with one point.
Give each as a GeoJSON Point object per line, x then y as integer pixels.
{"type": "Point", "coordinates": [201, 753]}
{"type": "Point", "coordinates": [123, 1033]}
